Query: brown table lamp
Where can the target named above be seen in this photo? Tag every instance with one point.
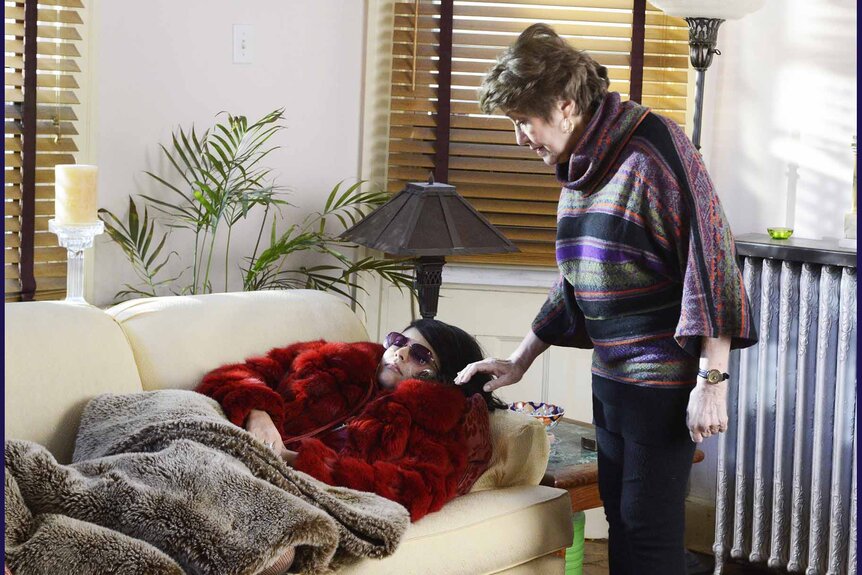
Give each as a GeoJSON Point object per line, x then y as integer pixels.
{"type": "Point", "coordinates": [430, 221]}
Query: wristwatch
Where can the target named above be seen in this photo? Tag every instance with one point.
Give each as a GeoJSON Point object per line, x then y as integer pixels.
{"type": "Point", "coordinates": [712, 376]}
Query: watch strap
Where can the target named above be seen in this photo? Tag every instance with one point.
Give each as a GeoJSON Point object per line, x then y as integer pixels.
{"type": "Point", "coordinates": [705, 373]}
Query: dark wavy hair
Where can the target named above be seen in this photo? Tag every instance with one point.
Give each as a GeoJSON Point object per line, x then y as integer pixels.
{"type": "Point", "coordinates": [455, 349]}
{"type": "Point", "coordinates": [539, 70]}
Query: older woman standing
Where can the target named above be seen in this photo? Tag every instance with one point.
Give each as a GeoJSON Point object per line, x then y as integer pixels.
{"type": "Point", "coordinates": [648, 279]}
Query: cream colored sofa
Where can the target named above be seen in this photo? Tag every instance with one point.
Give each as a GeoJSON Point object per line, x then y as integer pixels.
{"type": "Point", "coordinates": [59, 355]}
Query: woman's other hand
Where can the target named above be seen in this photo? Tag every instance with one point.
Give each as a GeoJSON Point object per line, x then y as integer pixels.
{"type": "Point", "coordinates": [707, 410]}
{"type": "Point", "coordinates": [288, 456]}
{"type": "Point", "coordinates": [504, 371]}
{"type": "Point", "coordinates": [260, 424]}
{"type": "Point", "coordinates": [707, 405]}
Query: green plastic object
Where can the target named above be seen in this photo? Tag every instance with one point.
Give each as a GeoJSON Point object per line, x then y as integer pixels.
{"type": "Point", "coordinates": [575, 553]}
{"type": "Point", "coordinates": [780, 233]}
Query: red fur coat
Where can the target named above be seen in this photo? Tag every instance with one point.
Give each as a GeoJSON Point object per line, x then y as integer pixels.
{"type": "Point", "coordinates": [406, 445]}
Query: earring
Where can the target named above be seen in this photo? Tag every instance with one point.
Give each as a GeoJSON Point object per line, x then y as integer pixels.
{"type": "Point", "coordinates": [568, 126]}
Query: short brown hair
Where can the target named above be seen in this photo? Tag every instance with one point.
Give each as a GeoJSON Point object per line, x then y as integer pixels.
{"type": "Point", "coordinates": [539, 70]}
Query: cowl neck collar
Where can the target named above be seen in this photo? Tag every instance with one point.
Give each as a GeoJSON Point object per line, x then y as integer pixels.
{"type": "Point", "coordinates": [609, 130]}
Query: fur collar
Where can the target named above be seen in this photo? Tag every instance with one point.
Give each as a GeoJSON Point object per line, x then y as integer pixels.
{"type": "Point", "coordinates": [435, 406]}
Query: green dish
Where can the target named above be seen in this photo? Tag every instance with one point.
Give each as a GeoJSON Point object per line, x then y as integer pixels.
{"type": "Point", "coordinates": [780, 233]}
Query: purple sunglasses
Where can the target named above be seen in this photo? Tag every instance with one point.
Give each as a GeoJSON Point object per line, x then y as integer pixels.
{"type": "Point", "coordinates": [417, 351]}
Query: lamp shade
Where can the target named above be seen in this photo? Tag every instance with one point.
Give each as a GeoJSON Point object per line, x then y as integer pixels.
{"type": "Point", "coordinates": [428, 220]}
{"type": "Point", "coordinates": [723, 9]}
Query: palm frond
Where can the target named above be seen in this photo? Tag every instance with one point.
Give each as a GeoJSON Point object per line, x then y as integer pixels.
{"type": "Point", "coordinates": [135, 237]}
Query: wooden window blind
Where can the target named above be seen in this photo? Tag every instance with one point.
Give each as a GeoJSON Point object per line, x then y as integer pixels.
{"type": "Point", "coordinates": [40, 120]}
{"type": "Point", "coordinates": [514, 190]}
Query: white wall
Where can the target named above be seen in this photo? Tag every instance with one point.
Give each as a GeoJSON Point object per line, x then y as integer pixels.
{"type": "Point", "coordinates": [158, 64]}
{"type": "Point", "coordinates": [780, 115]}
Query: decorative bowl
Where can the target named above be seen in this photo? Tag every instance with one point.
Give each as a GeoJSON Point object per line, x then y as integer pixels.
{"type": "Point", "coordinates": [780, 233]}
{"type": "Point", "coordinates": [547, 413]}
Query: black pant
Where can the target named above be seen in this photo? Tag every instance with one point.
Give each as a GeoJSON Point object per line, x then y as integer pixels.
{"type": "Point", "coordinates": [643, 488]}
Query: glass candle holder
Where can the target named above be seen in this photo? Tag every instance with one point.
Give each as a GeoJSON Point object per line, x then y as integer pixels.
{"type": "Point", "coordinates": [75, 238]}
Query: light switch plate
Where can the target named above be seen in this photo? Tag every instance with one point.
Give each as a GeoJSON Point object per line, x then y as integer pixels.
{"type": "Point", "coordinates": [242, 43]}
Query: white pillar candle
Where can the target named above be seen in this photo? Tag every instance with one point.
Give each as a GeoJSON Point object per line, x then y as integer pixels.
{"type": "Point", "coordinates": [75, 194]}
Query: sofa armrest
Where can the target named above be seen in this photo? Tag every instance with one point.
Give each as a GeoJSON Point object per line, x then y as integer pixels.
{"type": "Point", "coordinates": [520, 452]}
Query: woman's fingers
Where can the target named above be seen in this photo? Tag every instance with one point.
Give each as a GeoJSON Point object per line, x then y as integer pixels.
{"type": "Point", "coordinates": [288, 456]}
{"type": "Point", "coordinates": [465, 374]}
{"type": "Point", "coordinates": [260, 425]}
{"type": "Point", "coordinates": [503, 371]}
{"type": "Point", "coordinates": [490, 366]}
{"type": "Point", "coordinates": [704, 429]}
{"type": "Point", "coordinates": [499, 382]}
{"type": "Point", "coordinates": [706, 414]}
{"type": "Point", "coordinates": [270, 440]}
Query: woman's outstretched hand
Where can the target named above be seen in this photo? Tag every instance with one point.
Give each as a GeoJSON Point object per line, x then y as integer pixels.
{"type": "Point", "coordinates": [504, 371]}
{"type": "Point", "coordinates": [260, 424]}
{"type": "Point", "coordinates": [707, 410]}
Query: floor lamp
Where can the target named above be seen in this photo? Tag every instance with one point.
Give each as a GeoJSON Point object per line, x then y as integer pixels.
{"type": "Point", "coordinates": [704, 17]}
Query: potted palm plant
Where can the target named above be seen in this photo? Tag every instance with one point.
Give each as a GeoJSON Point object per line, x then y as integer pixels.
{"type": "Point", "coordinates": [218, 180]}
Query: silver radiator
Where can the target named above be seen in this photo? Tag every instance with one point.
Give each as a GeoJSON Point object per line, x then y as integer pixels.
{"type": "Point", "coordinates": [786, 482]}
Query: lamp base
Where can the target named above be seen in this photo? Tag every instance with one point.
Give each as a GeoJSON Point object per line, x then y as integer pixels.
{"type": "Point", "coordinates": [429, 276]}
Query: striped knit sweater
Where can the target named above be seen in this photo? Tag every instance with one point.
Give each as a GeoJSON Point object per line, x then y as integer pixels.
{"type": "Point", "coordinates": [646, 258]}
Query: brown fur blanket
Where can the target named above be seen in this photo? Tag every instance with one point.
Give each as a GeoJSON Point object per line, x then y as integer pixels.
{"type": "Point", "coordinates": [162, 483]}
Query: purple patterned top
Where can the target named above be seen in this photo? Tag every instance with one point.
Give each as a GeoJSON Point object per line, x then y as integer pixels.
{"type": "Point", "coordinates": [646, 257]}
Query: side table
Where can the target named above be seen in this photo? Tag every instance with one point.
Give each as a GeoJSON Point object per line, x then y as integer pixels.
{"type": "Point", "coordinates": [575, 469]}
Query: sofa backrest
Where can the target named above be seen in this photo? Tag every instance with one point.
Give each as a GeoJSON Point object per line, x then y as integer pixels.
{"type": "Point", "coordinates": [58, 357]}
{"type": "Point", "coordinates": [177, 340]}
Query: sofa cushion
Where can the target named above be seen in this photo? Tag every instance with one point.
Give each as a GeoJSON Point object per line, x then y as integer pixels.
{"type": "Point", "coordinates": [520, 452]}
{"type": "Point", "coordinates": [481, 533]}
{"type": "Point", "coordinates": [177, 340]}
{"type": "Point", "coordinates": [58, 357]}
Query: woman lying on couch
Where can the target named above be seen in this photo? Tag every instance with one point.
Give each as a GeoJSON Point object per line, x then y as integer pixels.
{"type": "Point", "coordinates": [381, 418]}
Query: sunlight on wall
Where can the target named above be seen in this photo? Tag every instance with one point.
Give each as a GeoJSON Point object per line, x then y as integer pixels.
{"type": "Point", "coordinates": [783, 117]}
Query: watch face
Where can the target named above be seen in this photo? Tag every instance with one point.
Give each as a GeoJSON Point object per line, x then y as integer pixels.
{"type": "Point", "coordinates": [714, 376]}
